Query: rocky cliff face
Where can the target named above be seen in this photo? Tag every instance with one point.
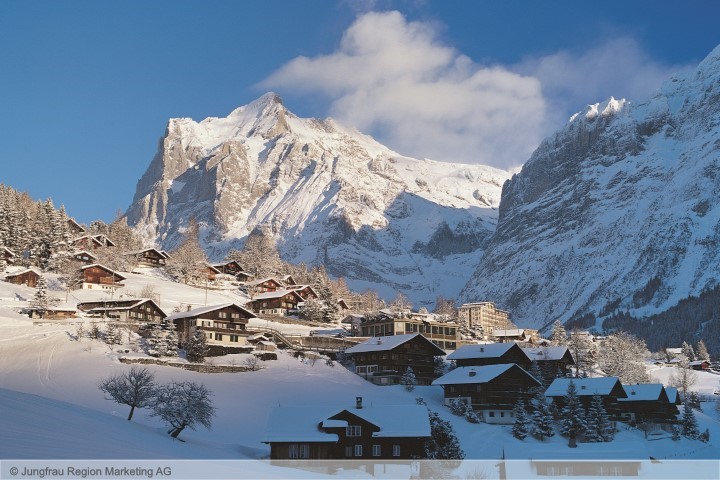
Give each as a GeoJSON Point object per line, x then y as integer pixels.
{"type": "Point", "coordinates": [617, 211]}
{"type": "Point", "coordinates": [329, 194]}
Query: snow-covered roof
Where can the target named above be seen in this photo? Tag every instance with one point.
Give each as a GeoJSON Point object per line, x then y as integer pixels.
{"type": "Point", "coordinates": [642, 392]}
{"type": "Point", "coordinates": [545, 353]}
{"type": "Point", "coordinates": [672, 394]}
{"type": "Point", "coordinates": [275, 294]}
{"type": "Point", "coordinates": [488, 350]}
{"type": "Point", "coordinates": [262, 280]}
{"type": "Point", "coordinates": [483, 374]}
{"type": "Point", "coordinates": [138, 252]}
{"type": "Point", "coordinates": [21, 272]}
{"type": "Point", "coordinates": [7, 250]}
{"type": "Point", "coordinates": [109, 270]}
{"type": "Point", "coordinates": [381, 344]}
{"type": "Point", "coordinates": [508, 332]}
{"type": "Point", "coordinates": [698, 362]}
{"type": "Point", "coordinates": [196, 312]}
{"type": "Point", "coordinates": [302, 424]}
{"type": "Point", "coordinates": [585, 386]}
{"type": "Point", "coordinates": [125, 305]}
{"type": "Point", "coordinates": [674, 351]}
{"type": "Point", "coordinates": [85, 252]}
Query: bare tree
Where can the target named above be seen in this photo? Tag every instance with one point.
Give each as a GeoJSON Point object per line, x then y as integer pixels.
{"type": "Point", "coordinates": [184, 405]}
{"type": "Point", "coordinates": [135, 388]}
{"type": "Point", "coordinates": [189, 259]}
{"type": "Point", "coordinates": [623, 355]}
{"type": "Point", "coordinates": [683, 378]}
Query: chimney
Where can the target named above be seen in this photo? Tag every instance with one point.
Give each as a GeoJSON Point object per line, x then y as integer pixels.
{"type": "Point", "coordinates": [358, 403]}
{"type": "Point", "coordinates": [471, 373]}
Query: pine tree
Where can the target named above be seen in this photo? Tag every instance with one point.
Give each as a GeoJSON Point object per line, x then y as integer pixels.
{"type": "Point", "coordinates": [408, 379]}
{"type": "Point", "coordinates": [688, 352]}
{"type": "Point", "coordinates": [470, 414]}
{"type": "Point", "coordinates": [599, 428]}
{"type": "Point", "coordinates": [42, 300]}
{"type": "Point", "coordinates": [521, 427]}
{"type": "Point", "coordinates": [537, 374]}
{"type": "Point", "coordinates": [443, 443]}
{"type": "Point", "coordinates": [572, 414]}
{"type": "Point", "coordinates": [196, 347]}
{"type": "Point", "coordinates": [163, 340]}
{"type": "Point", "coordinates": [542, 420]}
{"type": "Point", "coordinates": [689, 422]}
{"type": "Point", "coordinates": [702, 351]}
{"type": "Point", "coordinates": [112, 335]}
{"type": "Point", "coordinates": [558, 336]}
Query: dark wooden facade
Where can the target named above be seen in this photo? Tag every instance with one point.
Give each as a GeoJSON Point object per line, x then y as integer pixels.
{"type": "Point", "coordinates": [132, 310]}
{"type": "Point", "coordinates": [52, 313]}
{"type": "Point", "coordinates": [230, 268]}
{"type": "Point", "coordinates": [305, 291]}
{"type": "Point", "coordinates": [279, 302]}
{"type": "Point", "coordinates": [610, 397]}
{"type": "Point", "coordinates": [27, 277]}
{"type": "Point", "coordinates": [492, 390]}
{"type": "Point", "coordinates": [445, 335]}
{"type": "Point", "coordinates": [75, 228]}
{"type": "Point", "coordinates": [100, 276]}
{"type": "Point", "coordinates": [87, 242]}
{"type": "Point", "coordinates": [264, 285]}
{"type": "Point", "coordinates": [85, 257]}
{"type": "Point", "coordinates": [150, 257]}
{"type": "Point", "coordinates": [657, 409]}
{"type": "Point", "coordinates": [8, 255]}
{"type": "Point", "coordinates": [222, 324]}
{"type": "Point", "coordinates": [386, 366]}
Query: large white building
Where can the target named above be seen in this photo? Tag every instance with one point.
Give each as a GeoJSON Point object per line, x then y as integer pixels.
{"type": "Point", "coordinates": [484, 315]}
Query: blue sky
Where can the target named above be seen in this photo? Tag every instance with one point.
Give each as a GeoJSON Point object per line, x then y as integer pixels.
{"type": "Point", "coordinates": [88, 87]}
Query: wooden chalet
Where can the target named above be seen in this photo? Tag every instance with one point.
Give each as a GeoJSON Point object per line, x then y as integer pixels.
{"type": "Point", "coordinates": [85, 257]}
{"type": "Point", "coordinates": [99, 277]}
{"type": "Point", "coordinates": [104, 240]}
{"type": "Point", "coordinates": [8, 255]}
{"type": "Point", "coordinates": [342, 304]}
{"type": "Point", "coordinates": [280, 302]}
{"type": "Point", "coordinates": [700, 365]}
{"type": "Point", "coordinates": [445, 335]}
{"type": "Point", "coordinates": [75, 228]}
{"type": "Point", "coordinates": [492, 390]}
{"type": "Point", "coordinates": [647, 402]}
{"type": "Point", "coordinates": [384, 360]}
{"type": "Point", "coordinates": [52, 313]}
{"type": "Point", "coordinates": [489, 354]}
{"type": "Point", "coordinates": [263, 285]}
{"type": "Point", "coordinates": [28, 277]}
{"type": "Point", "coordinates": [231, 268]}
{"type": "Point", "coordinates": [87, 242]}
{"type": "Point", "coordinates": [509, 335]}
{"type": "Point", "coordinates": [224, 324]}
{"type": "Point", "coordinates": [553, 361]}
{"type": "Point", "coordinates": [288, 281]}
{"type": "Point", "coordinates": [150, 257]}
{"type": "Point", "coordinates": [137, 310]}
{"type": "Point", "coordinates": [305, 291]}
{"type": "Point", "coordinates": [609, 389]}
{"type": "Point", "coordinates": [673, 397]}
{"type": "Point", "coordinates": [372, 433]}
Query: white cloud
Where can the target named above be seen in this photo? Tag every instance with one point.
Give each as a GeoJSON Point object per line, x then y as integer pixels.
{"type": "Point", "coordinates": [618, 67]}
{"type": "Point", "coordinates": [394, 79]}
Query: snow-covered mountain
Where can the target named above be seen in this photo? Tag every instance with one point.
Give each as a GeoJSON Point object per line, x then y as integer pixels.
{"type": "Point", "coordinates": [328, 194]}
{"type": "Point", "coordinates": [620, 210]}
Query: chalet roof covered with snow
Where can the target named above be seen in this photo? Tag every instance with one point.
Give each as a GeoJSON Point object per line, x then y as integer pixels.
{"type": "Point", "coordinates": [103, 267]}
{"type": "Point", "coordinates": [487, 350]}
{"type": "Point", "coordinates": [145, 250]}
{"type": "Point", "coordinates": [262, 280]}
{"type": "Point", "coordinates": [471, 375]}
{"type": "Point", "coordinates": [125, 305]}
{"type": "Point", "coordinates": [85, 252]}
{"type": "Point", "coordinates": [301, 424]}
{"type": "Point", "coordinates": [276, 294]}
{"type": "Point", "coordinates": [383, 344]}
{"type": "Point", "coordinates": [672, 394]}
{"type": "Point", "coordinates": [8, 251]}
{"type": "Point", "coordinates": [196, 312]}
{"type": "Point", "coordinates": [22, 272]}
{"type": "Point", "coordinates": [585, 386]}
{"type": "Point", "coordinates": [643, 392]}
{"type": "Point", "coordinates": [546, 353]}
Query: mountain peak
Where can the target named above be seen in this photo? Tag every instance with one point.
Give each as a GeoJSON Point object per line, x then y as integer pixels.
{"type": "Point", "coordinates": [609, 107]}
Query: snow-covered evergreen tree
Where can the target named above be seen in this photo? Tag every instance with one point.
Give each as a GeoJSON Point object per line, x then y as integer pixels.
{"type": "Point", "coordinates": [470, 414]}
{"type": "Point", "coordinates": [443, 443]}
{"type": "Point", "coordinates": [572, 415]}
{"type": "Point", "coordinates": [599, 428]}
{"type": "Point", "coordinates": [313, 310]}
{"type": "Point", "coordinates": [537, 374]}
{"type": "Point", "coordinates": [196, 347]}
{"type": "Point", "coordinates": [542, 419]}
{"type": "Point", "coordinates": [457, 406]}
{"type": "Point", "coordinates": [702, 351]}
{"type": "Point", "coordinates": [688, 352]}
{"type": "Point", "coordinates": [408, 379]}
{"type": "Point", "coordinates": [259, 255]}
{"type": "Point", "coordinates": [689, 422]}
{"type": "Point", "coordinates": [42, 300]}
{"type": "Point", "coordinates": [521, 427]}
{"type": "Point", "coordinates": [163, 340]}
{"type": "Point", "coordinates": [113, 336]}
{"type": "Point", "coordinates": [188, 260]}
{"type": "Point", "coordinates": [558, 336]}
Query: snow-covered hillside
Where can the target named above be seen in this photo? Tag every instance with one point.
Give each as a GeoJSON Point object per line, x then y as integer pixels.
{"type": "Point", "coordinates": [619, 211]}
{"type": "Point", "coordinates": [328, 194]}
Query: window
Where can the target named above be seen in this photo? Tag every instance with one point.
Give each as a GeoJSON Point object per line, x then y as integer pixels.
{"type": "Point", "coordinates": [233, 338]}
{"type": "Point", "coordinates": [222, 314]}
{"type": "Point", "coordinates": [396, 450]}
{"type": "Point", "coordinates": [358, 450]}
{"type": "Point", "coordinates": [348, 452]}
{"type": "Point", "coordinates": [376, 450]}
{"type": "Point", "coordinates": [218, 337]}
{"type": "Point", "coordinates": [353, 430]}
{"type": "Point", "coordinates": [491, 414]}
{"type": "Point", "coordinates": [299, 450]}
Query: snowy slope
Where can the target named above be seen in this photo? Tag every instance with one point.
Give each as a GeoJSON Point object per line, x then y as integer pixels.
{"type": "Point", "coordinates": [623, 194]}
{"type": "Point", "coordinates": [328, 194]}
